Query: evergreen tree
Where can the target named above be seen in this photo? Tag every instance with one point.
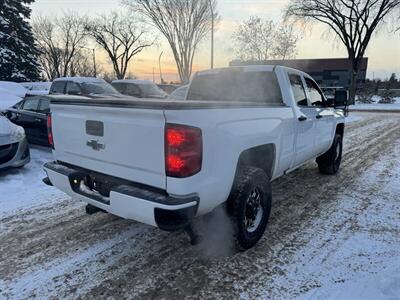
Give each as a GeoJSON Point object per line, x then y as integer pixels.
{"type": "Point", "coordinates": [18, 52]}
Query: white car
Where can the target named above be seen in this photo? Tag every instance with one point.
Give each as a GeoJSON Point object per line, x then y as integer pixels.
{"type": "Point", "coordinates": [14, 149]}
{"type": "Point", "coordinates": [164, 162]}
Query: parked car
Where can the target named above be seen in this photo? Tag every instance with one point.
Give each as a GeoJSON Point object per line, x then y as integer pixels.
{"type": "Point", "coordinates": [31, 114]}
{"type": "Point", "coordinates": [14, 149]}
{"type": "Point", "coordinates": [139, 89]}
{"type": "Point", "coordinates": [179, 93]}
{"type": "Point", "coordinates": [168, 88]}
{"type": "Point", "coordinates": [84, 86]}
{"type": "Point", "coordinates": [164, 163]}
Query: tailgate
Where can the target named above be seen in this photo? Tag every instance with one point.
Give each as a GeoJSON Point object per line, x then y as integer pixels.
{"type": "Point", "coordinates": [123, 142]}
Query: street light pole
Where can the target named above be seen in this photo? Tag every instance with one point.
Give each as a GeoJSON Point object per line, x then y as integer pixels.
{"type": "Point", "coordinates": [159, 66]}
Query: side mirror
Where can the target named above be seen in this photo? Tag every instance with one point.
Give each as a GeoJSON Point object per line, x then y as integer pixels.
{"type": "Point", "coordinates": [341, 98]}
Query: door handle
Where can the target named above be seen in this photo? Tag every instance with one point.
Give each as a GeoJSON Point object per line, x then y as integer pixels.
{"type": "Point", "coordinates": [302, 118]}
{"type": "Point", "coordinates": [319, 117]}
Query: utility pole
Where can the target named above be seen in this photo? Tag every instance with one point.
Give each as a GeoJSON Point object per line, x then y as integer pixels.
{"type": "Point", "coordinates": [212, 34]}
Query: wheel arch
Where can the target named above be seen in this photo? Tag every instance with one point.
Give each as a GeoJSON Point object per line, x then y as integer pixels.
{"type": "Point", "coordinates": [340, 129]}
{"type": "Point", "coordinates": [262, 156]}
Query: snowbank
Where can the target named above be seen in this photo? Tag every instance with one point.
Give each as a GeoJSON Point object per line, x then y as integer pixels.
{"type": "Point", "coordinates": [377, 106]}
{"type": "Point", "coordinates": [7, 99]}
{"type": "Point", "coordinates": [13, 88]}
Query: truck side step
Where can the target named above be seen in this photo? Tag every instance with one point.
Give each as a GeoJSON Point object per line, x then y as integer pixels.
{"type": "Point", "coordinates": [91, 209]}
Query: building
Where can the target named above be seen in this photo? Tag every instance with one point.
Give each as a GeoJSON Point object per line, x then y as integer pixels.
{"type": "Point", "coordinates": [328, 72]}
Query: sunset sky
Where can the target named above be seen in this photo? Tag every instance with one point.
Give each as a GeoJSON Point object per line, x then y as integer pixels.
{"type": "Point", "coordinates": [383, 52]}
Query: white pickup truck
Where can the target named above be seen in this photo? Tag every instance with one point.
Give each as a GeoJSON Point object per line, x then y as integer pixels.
{"type": "Point", "coordinates": [165, 162]}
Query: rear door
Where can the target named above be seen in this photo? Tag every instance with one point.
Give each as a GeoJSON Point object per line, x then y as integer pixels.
{"type": "Point", "coordinates": [305, 121]}
{"type": "Point", "coordinates": [119, 141]}
{"type": "Point", "coordinates": [28, 118]}
{"type": "Point", "coordinates": [323, 116]}
{"type": "Point", "coordinates": [42, 112]}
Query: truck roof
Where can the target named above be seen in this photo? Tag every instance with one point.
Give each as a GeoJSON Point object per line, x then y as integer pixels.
{"type": "Point", "coordinates": [251, 68]}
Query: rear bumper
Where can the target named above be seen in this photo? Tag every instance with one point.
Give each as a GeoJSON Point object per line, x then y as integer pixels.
{"type": "Point", "coordinates": [128, 200]}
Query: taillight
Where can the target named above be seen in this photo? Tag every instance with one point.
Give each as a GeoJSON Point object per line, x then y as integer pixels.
{"type": "Point", "coordinates": [50, 131]}
{"type": "Point", "coordinates": [183, 150]}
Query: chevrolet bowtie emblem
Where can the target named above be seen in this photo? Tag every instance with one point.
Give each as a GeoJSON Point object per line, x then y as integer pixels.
{"type": "Point", "coordinates": [95, 145]}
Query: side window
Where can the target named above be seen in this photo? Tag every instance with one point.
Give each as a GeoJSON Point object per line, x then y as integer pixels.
{"type": "Point", "coordinates": [298, 90]}
{"type": "Point", "coordinates": [57, 87]}
{"type": "Point", "coordinates": [133, 90]}
{"type": "Point", "coordinates": [31, 104]}
{"type": "Point", "coordinates": [73, 88]}
{"type": "Point", "coordinates": [18, 105]}
{"type": "Point", "coordinates": [316, 97]}
{"type": "Point", "coordinates": [120, 87]}
{"type": "Point", "coordinates": [44, 106]}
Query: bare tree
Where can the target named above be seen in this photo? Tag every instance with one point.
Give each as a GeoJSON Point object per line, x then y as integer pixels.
{"type": "Point", "coordinates": [60, 40]}
{"type": "Point", "coordinates": [260, 40]}
{"type": "Point", "coordinates": [83, 65]}
{"type": "Point", "coordinates": [352, 21]}
{"type": "Point", "coordinates": [122, 36]}
{"type": "Point", "coordinates": [183, 23]}
{"type": "Point", "coordinates": [254, 39]}
{"type": "Point", "coordinates": [286, 38]}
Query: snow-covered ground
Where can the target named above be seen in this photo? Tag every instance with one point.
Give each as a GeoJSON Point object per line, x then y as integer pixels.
{"type": "Point", "coordinates": [23, 189]}
{"type": "Point", "coordinates": [377, 106]}
{"type": "Point", "coordinates": [329, 237]}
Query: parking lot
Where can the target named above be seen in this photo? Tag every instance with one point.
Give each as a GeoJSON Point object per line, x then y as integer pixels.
{"type": "Point", "coordinates": [327, 234]}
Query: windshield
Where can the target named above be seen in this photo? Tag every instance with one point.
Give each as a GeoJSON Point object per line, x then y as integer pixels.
{"type": "Point", "coordinates": [102, 88]}
{"type": "Point", "coordinates": [151, 90]}
{"type": "Point", "coordinates": [236, 86]}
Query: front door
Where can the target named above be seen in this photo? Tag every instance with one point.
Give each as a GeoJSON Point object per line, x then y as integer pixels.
{"type": "Point", "coordinates": [323, 116]}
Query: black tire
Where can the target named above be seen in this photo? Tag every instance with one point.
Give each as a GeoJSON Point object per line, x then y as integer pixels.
{"type": "Point", "coordinates": [329, 162]}
{"type": "Point", "coordinates": [250, 181]}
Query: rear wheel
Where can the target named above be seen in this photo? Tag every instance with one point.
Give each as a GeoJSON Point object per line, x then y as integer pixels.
{"type": "Point", "coordinates": [250, 206]}
{"type": "Point", "coordinates": [329, 162]}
